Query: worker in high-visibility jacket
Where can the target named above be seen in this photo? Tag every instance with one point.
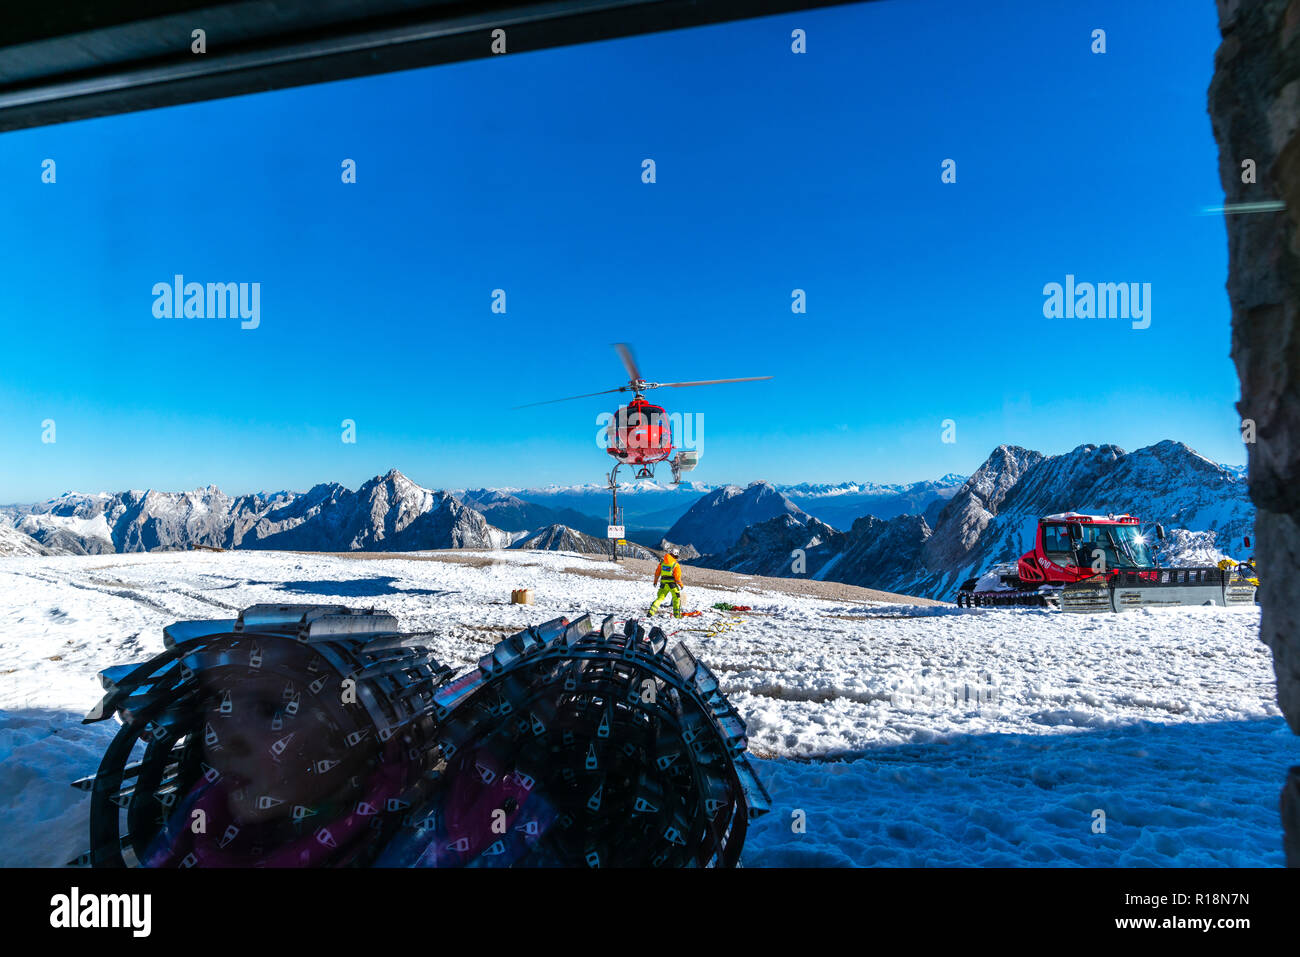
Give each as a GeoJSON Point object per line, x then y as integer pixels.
{"type": "Point", "coordinates": [668, 576]}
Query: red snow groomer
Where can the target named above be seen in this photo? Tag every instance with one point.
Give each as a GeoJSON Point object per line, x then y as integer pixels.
{"type": "Point", "coordinates": [1092, 563]}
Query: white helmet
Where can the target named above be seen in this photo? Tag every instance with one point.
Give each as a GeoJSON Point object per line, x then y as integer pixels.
{"type": "Point", "coordinates": [675, 552]}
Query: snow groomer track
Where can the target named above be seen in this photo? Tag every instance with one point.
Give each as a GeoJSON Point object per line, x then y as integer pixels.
{"type": "Point", "coordinates": [316, 735]}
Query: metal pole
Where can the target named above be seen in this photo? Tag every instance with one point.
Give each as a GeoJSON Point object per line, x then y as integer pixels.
{"type": "Point", "coordinates": [613, 510]}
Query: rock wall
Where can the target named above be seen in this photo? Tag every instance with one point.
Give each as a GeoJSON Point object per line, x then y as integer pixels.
{"type": "Point", "coordinates": [1254, 103]}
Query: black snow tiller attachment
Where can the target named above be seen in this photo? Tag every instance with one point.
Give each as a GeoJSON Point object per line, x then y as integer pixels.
{"type": "Point", "coordinates": [294, 735]}
{"type": "Point", "coordinates": [314, 735]}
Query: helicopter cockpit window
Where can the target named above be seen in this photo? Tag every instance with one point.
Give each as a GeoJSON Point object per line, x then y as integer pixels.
{"type": "Point", "coordinates": [613, 431]}
{"type": "Point", "coordinates": [658, 418]}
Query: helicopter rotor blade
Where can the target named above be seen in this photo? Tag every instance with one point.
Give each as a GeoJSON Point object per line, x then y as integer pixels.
{"type": "Point", "coordinates": [569, 398]}
{"type": "Point", "coordinates": [678, 385]}
{"type": "Point", "coordinates": [625, 353]}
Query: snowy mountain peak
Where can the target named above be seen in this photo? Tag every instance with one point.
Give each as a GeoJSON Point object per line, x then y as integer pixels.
{"type": "Point", "coordinates": [993, 516]}
{"type": "Point", "coordinates": [716, 521]}
{"type": "Point", "coordinates": [479, 497]}
{"type": "Point", "coordinates": [15, 542]}
{"type": "Point", "coordinates": [386, 512]}
{"type": "Point", "coordinates": [561, 538]}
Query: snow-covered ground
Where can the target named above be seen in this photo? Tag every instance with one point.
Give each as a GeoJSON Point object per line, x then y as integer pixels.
{"type": "Point", "coordinates": [904, 735]}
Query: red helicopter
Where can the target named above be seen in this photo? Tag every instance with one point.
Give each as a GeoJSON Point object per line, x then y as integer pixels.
{"type": "Point", "coordinates": [639, 433]}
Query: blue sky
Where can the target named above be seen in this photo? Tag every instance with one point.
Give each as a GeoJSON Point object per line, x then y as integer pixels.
{"type": "Point", "coordinates": [775, 171]}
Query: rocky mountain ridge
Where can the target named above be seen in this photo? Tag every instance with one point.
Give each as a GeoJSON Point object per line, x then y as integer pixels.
{"type": "Point", "coordinates": [993, 517]}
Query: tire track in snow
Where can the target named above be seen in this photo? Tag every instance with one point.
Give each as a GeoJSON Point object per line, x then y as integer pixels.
{"type": "Point", "coordinates": [128, 592]}
{"type": "Point", "coordinates": [173, 590]}
{"type": "Point", "coordinates": [207, 601]}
